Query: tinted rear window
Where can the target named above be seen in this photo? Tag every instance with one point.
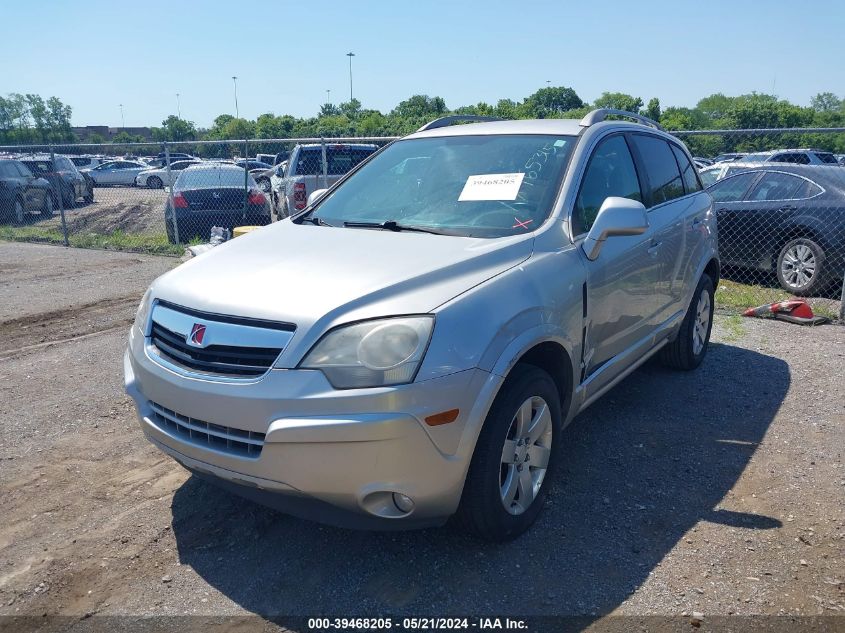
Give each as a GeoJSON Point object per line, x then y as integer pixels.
{"type": "Point", "coordinates": [661, 168]}
{"type": "Point", "coordinates": [826, 158]}
{"type": "Point", "coordinates": [39, 166]}
{"type": "Point", "coordinates": [688, 172]}
{"type": "Point", "coordinates": [732, 189]}
{"type": "Point", "coordinates": [340, 160]}
{"type": "Point", "coordinates": [212, 178]}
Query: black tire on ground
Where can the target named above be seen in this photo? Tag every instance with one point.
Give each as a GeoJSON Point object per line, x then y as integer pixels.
{"type": "Point", "coordinates": [89, 196]}
{"type": "Point", "coordinates": [18, 211]}
{"type": "Point", "coordinates": [47, 209]}
{"type": "Point", "coordinates": [482, 509]}
{"type": "Point", "coordinates": [801, 267]}
{"type": "Point", "coordinates": [171, 234]}
{"type": "Point", "coordinates": [68, 199]}
{"type": "Point", "coordinates": [154, 182]}
{"type": "Point", "coordinates": [689, 348]}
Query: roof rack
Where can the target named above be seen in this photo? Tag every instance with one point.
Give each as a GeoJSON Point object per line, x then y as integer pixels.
{"type": "Point", "coordinates": [599, 115]}
{"type": "Point", "coordinates": [455, 118]}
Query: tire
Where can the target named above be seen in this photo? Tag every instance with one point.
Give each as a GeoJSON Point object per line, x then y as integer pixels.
{"type": "Point", "coordinates": [503, 496]}
{"type": "Point", "coordinates": [171, 235]}
{"type": "Point", "coordinates": [154, 182]}
{"type": "Point", "coordinates": [18, 212]}
{"type": "Point", "coordinates": [690, 346]}
{"type": "Point", "coordinates": [68, 199]}
{"type": "Point", "coordinates": [801, 267]}
{"type": "Point", "coordinates": [47, 209]}
{"type": "Point", "coordinates": [89, 197]}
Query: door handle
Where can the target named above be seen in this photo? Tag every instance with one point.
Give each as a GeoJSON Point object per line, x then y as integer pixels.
{"type": "Point", "coordinates": [655, 246]}
{"type": "Point", "coordinates": [788, 207]}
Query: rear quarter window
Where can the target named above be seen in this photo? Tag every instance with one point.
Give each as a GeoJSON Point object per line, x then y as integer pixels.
{"type": "Point", "coordinates": [688, 172]}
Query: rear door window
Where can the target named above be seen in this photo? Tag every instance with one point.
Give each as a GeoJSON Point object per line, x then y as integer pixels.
{"type": "Point", "coordinates": [777, 186]}
{"type": "Point", "coordinates": [662, 173]}
{"type": "Point", "coordinates": [688, 172]}
{"type": "Point", "coordinates": [24, 170]}
{"type": "Point", "coordinates": [797, 158]}
{"type": "Point", "coordinates": [826, 157]}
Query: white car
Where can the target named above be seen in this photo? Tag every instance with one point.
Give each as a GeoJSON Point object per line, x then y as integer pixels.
{"type": "Point", "coordinates": [157, 178]}
{"type": "Point", "coordinates": [117, 172]}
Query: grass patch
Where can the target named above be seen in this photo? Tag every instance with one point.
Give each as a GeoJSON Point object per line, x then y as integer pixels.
{"type": "Point", "coordinates": [733, 328]}
{"type": "Point", "coordinates": [152, 243]}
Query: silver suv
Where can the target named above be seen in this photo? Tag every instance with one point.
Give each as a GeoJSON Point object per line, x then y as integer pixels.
{"type": "Point", "coordinates": [411, 345]}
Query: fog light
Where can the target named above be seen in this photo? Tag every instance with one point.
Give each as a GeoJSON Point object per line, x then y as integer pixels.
{"type": "Point", "coordinates": [403, 502]}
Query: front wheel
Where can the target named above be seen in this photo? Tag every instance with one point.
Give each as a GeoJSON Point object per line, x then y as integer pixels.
{"type": "Point", "coordinates": [801, 263]}
{"type": "Point", "coordinates": [688, 349]}
{"type": "Point", "coordinates": [154, 182]}
{"type": "Point", "coordinates": [47, 208]}
{"type": "Point", "coordinates": [508, 477]}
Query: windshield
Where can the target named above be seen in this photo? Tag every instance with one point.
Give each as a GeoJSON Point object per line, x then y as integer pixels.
{"type": "Point", "coordinates": [213, 178]}
{"type": "Point", "coordinates": [479, 186]}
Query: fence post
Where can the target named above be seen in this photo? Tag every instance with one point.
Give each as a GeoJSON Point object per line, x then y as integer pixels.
{"type": "Point", "coordinates": [61, 196]}
{"type": "Point", "coordinates": [246, 178]}
{"type": "Point", "coordinates": [842, 300]}
{"type": "Point", "coordinates": [325, 164]}
{"type": "Point", "coordinates": [170, 192]}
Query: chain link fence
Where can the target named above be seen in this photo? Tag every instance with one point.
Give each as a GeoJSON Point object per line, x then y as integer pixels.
{"type": "Point", "coordinates": [779, 195]}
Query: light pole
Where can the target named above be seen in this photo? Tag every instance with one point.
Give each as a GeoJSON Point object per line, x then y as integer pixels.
{"type": "Point", "coordinates": [122, 122]}
{"type": "Point", "coordinates": [350, 55]}
{"type": "Point", "coordinates": [328, 97]}
{"type": "Point", "coordinates": [178, 107]}
{"type": "Point", "coordinates": [235, 81]}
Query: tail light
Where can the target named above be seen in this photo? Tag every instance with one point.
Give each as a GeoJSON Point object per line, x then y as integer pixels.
{"type": "Point", "coordinates": [299, 197]}
{"type": "Point", "coordinates": [179, 201]}
{"type": "Point", "coordinates": [256, 198]}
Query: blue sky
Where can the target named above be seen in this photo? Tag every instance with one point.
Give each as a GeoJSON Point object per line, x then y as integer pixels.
{"type": "Point", "coordinates": [95, 55]}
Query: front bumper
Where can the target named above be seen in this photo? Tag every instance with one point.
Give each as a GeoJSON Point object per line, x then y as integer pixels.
{"type": "Point", "coordinates": [327, 455]}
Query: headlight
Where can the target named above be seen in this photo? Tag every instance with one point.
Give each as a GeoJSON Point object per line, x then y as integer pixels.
{"type": "Point", "coordinates": [142, 316]}
{"type": "Point", "coordinates": [373, 353]}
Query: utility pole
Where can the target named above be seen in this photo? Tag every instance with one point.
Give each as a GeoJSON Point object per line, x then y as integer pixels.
{"type": "Point", "coordinates": [122, 122]}
{"type": "Point", "coordinates": [178, 107]}
{"type": "Point", "coordinates": [328, 97]}
{"type": "Point", "coordinates": [235, 81]}
{"type": "Point", "coordinates": [350, 55]}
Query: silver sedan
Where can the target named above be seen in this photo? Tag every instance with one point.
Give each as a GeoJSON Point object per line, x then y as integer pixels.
{"type": "Point", "coordinates": [118, 172]}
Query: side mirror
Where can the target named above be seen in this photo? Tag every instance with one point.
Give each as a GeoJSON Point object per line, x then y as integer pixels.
{"type": "Point", "coordinates": [616, 217]}
{"type": "Point", "coordinates": [316, 195]}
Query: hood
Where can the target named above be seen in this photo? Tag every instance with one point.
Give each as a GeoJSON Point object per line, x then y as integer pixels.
{"type": "Point", "coordinates": [313, 275]}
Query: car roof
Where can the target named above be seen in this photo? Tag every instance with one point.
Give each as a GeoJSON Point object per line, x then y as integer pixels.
{"type": "Point", "coordinates": [829, 175]}
{"type": "Point", "coordinates": [329, 144]}
{"type": "Point", "coordinates": [566, 127]}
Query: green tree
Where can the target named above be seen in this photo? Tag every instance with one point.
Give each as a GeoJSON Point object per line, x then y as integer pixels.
{"type": "Point", "coordinates": [175, 129]}
{"type": "Point", "coordinates": [420, 106]}
{"type": "Point", "coordinates": [125, 137]}
{"type": "Point", "coordinates": [652, 110]}
{"type": "Point", "coordinates": [618, 101]}
{"type": "Point", "coordinates": [827, 102]}
{"type": "Point", "coordinates": [552, 102]}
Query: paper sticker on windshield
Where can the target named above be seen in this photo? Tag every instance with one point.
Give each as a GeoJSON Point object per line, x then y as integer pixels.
{"type": "Point", "coordinates": [491, 187]}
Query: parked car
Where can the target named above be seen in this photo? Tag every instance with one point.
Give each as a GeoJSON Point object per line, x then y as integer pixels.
{"type": "Point", "coordinates": [253, 165]}
{"type": "Point", "coordinates": [786, 219]}
{"type": "Point", "coordinates": [158, 178]}
{"type": "Point", "coordinates": [213, 194]}
{"type": "Point", "coordinates": [66, 180]}
{"type": "Point", "coordinates": [723, 169]}
{"type": "Point", "coordinates": [88, 162]}
{"type": "Point", "coordinates": [22, 192]}
{"type": "Point", "coordinates": [264, 179]}
{"type": "Point", "coordinates": [700, 162]}
{"type": "Point", "coordinates": [795, 156]}
{"type": "Point", "coordinates": [160, 159]}
{"type": "Point", "coordinates": [411, 345]}
{"type": "Point", "coordinates": [273, 159]}
{"type": "Point", "coordinates": [118, 172]}
{"type": "Point", "coordinates": [304, 172]}
{"type": "Point", "coordinates": [728, 157]}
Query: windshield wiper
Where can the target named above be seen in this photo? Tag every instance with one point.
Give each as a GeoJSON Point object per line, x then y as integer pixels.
{"type": "Point", "coordinates": [392, 225]}
{"type": "Point", "coordinates": [316, 221]}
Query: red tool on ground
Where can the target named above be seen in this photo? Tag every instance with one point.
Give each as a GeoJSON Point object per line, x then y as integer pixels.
{"type": "Point", "coordinates": [791, 310]}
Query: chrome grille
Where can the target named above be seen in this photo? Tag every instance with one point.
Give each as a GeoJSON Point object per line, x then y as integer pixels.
{"type": "Point", "coordinates": [222, 438]}
{"type": "Point", "coordinates": [214, 359]}
{"type": "Point", "coordinates": [234, 347]}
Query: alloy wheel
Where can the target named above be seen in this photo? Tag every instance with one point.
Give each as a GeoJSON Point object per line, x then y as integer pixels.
{"type": "Point", "coordinates": [701, 323]}
{"type": "Point", "coordinates": [525, 455]}
{"type": "Point", "coordinates": [798, 266]}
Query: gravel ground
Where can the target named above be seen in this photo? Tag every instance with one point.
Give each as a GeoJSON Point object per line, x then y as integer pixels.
{"type": "Point", "coordinates": [718, 491]}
